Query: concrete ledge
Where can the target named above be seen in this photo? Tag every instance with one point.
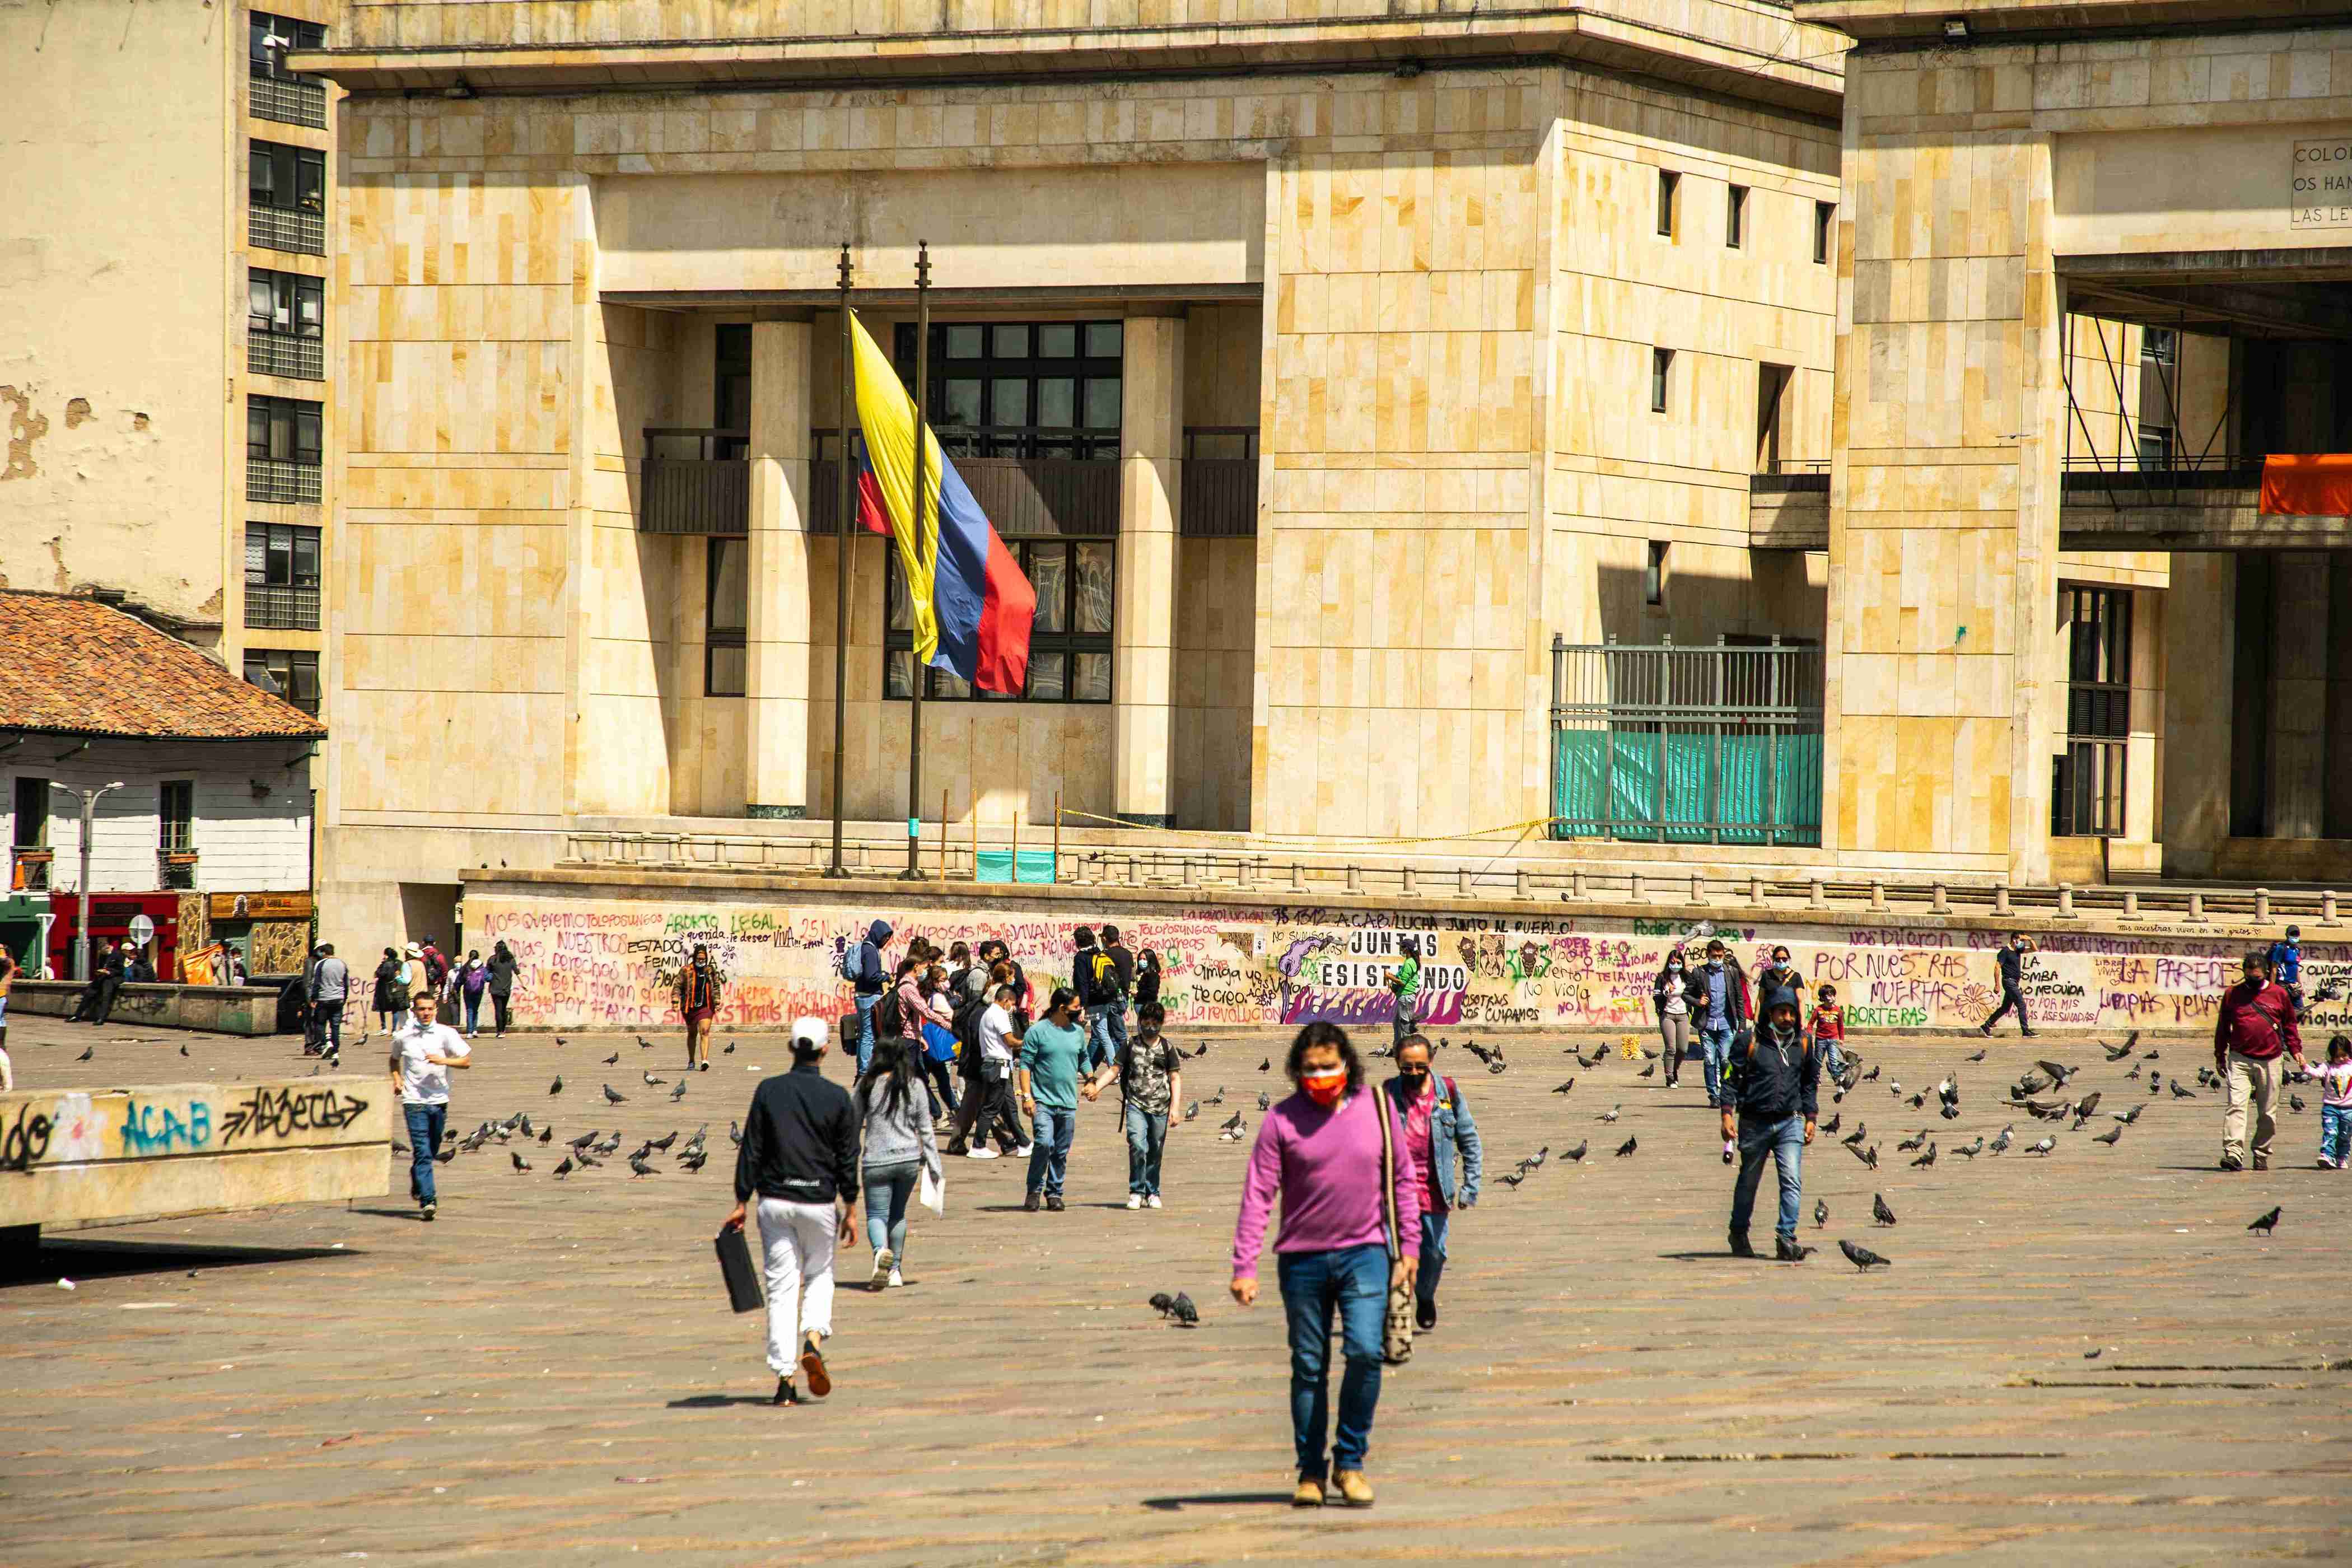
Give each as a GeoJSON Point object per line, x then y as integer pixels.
{"type": "Point", "coordinates": [221, 1009]}
{"type": "Point", "coordinates": [197, 1148]}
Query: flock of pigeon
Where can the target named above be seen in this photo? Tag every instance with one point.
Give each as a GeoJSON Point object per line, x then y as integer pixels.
{"type": "Point", "coordinates": [593, 1147]}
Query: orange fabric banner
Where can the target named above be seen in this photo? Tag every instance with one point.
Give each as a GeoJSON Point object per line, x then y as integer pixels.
{"type": "Point", "coordinates": [2307, 484]}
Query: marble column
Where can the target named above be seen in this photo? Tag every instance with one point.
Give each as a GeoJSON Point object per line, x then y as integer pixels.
{"type": "Point", "coordinates": [1151, 450]}
{"type": "Point", "coordinates": [2298, 738]}
{"type": "Point", "coordinates": [776, 636]}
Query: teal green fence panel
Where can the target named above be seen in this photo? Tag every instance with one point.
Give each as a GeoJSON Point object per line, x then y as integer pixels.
{"type": "Point", "coordinates": [1729, 789]}
{"type": "Point", "coordinates": [996, 865]}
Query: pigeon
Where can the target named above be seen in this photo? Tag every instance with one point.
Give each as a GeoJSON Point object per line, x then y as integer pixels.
{"type": "Point", "coordinates": [89, 1051]}
{"type": "Point", "coordinates": [2147, 1056]}
{"type": "Point", "coordinates": [1564, 1088]}
{"type": "Point", "coordinates": [2266, 1223]}
{"type": "Point", "coordinates": [693, 1159]}
{"type": "Point", "coordinates": [585, 1158]}
{"type": "Point", "coordinates": [1232, 1124]}
{"type": "Point", "coordinates": [1879, 1211]}
{"type": "Point", "coordinates": [2295, 1102]}
{"type": "Point", "coordinates": [545, 1134]}
{"type": "Point", "coordinates": [557, 1087]}
{"type": "Point", "coordinates": [520, 1163]}
{"type": "Point", "coordinates": [400, 1148]}
{"type": "Point", "coordinates": [1203, 1050]}
{"type": "Point", "coordinates": [2043, 1147]}
{"type": "Point", "coordinates": [564, 1169]}
{"type": "Point", "coordinates": [2093, 1354]}
{"type": "Point", "coordinates": [1498, 1066]}
{"type": "Point", "coordinates": [1832, 1124]}
{"type": "Point", "coordinates": [1861, 1257]}
{"type": "Point", "coordinates": [2083, 1112]}
{"type": "Point", "coordinates": [560, 1041]}
{"type": "Point", "coordinates": [1218, 1097]}
{"type": "Point", "coordinates": [2058, 1075]}
{"type": "Point", "coordinates": [2112, 1136]}
{"type": "Point", "coordinates": [1971, 1150]}
{"type": "Point", "coordinates": [1262, 1102]}
{"type": "Point", "coordinates": [1909, 1144]}
{"type": "Point", "coordinates": [663, 1144]}
{"type": "Point", "coordinates": [1916, 1101]}
{"type": "Point", "coordinates": [1820, 1212]}
{"type": "Point", "coordinates": [2114, 1054]}
{"type": "Point", "coordinates": [1627, 1147]}
{"type": "Point", "coordinates": [2133, 1076]}
{"type": "Point", "coordinates": [653, 1082]}
{"type": "Point", "coordinates": [2001, 1139]}
{"type": "Point", "coordinates": [735, 1134]}
{"type": "Point", "coordinates": [637, 1164]}
{"type": "Point", "coordinates": [1183, 1309]}
{"type": "Point", "coordinates": [1191, 1110]}
{"type": "Point", "coordinates": [184, 1050]}
{"type": "Point", "coordinates": [611, 1059]}
{"type": "Point", "coordinates": [2129, 1117]}
{"type": "Point", "coordinates": [2181, 1093]}
{"type": "Point", "coordinates": [1514, 1178]}
{"type": "Point", "coordinates": [1853, 1140]}
{"type": "Point", "coordinates": [643, 1044]}
{"type": "Point", "coordinates": [1578, 1152]}
{"type": "Point", "coordinates": [2132, 1039]}
{"type": "Point", "coordinates": [611, 1097]}
{"type": "Point", "coordinates": [730, 1050]}
{"type": "Point", "coordinates": [678, 1093]}
{"type": "Point", "coordinates": [1162, 1302]}
{"type": "Point", "coordinates": [1535, 1161]}
{"type": "Point", "coordinates": [1265, 1063]}
{"type": "Point", "coordinates": [585, 1139]}
{"type": "Point", "coordinates": [1611, 1115]}
{"type": "Point", "coordinates": [1649, 1071]}
{"type": "Point", "coordinates": [1870, 1076]}
{"type": "Point", "coordinates": [1978, 1057]}
{"type": "Point", "coordinates": [1926, 1159]}
{"type": "Point", "coordinates": [1870, 1156]}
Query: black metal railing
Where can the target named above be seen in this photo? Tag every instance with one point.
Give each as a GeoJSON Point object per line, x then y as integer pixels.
{"type": "Point", "coordinates": [281, 608]}
{"type": "Point", "coordinates": [289, 100]}
{"type": "Point", "coordinates": [287, 228]}
{"type": "Point", "coordinates": [271, 480]}
{"type": "Point", "coordinates": [2138, 480]}
{"type": "Point", "coordinates": [1033, 496]}
{"type": "Point", "coordinates": [707, 493]}
{"type": "Point", "coordinates": [285, 353]}
{"type": "Point", "coordinates": [1220, 487]}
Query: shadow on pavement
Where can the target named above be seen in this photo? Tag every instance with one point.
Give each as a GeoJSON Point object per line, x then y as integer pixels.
{"type": "Point", "coordinates": [1219, 1500]}
{"type": "Point", "coordinates": [78, 1258]}
{"type": "Point", "coordinates": [1713, 1258]}
{"type": "Point", "coordinates": [719, 1401]}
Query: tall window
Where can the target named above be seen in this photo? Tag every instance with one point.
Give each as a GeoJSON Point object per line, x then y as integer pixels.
{"type": "Point", "coordinates": [270, 39]}
{"type": "Point", "coordinates": [727, 599]}
{"type": "Point", "coordinates": [2159, 426]}
{"type": "Point", "coordinates": [2087, 793]}
{"type": "Point", "coordinates": [1654, 574]}
{"type": "Point", "coordinates": [1669, 186]}
{"type": "Point", "coordinates": [1069, 643]}
{"type": "Point", "coordinates": [282, 672]}
{"type": "Point", "coordinates": [1734, 217]}
{"type": "Point", "coordinates": [281, 430]}
{"type": "Point", "coordinates": [290, 179]}
{"type": "Point", "coordinates": [1824, 230]}
{"type": "Point", "coordinates": [285, 302]}
{"type": "Point", "coordinates": [1022, 389]}
{"type": "Point", "coordinates": [177, 816]}
{"type": "Point", "coordinates": [32, 806]}
{"type": "Point", "coordinates": [1661, 366]}
{"type": "Point", "coordinates": [281, 576]}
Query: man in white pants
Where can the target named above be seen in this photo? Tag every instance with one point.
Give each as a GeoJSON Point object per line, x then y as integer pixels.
{"type": "Point", "coordinates": [799, 1156]}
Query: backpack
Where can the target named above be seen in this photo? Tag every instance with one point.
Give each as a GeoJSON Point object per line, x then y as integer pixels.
{"type": "Point", "coordinates": [436, 968]}
{"type": "Point", "coordinates": [1102, 978]}
{"type": "Point", "coordinates": [888, 1023]}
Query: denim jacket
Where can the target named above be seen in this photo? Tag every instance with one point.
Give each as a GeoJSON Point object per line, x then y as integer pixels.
{"type": "Point", "coordinates": [1452, 1133]}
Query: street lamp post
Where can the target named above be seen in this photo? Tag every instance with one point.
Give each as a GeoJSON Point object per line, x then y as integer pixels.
{"type": "Point", "coordinates": [89, 798]}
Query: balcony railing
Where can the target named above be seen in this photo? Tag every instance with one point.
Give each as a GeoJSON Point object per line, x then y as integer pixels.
{"type": "Point", "coordinates": [1037, 494]}
{"type": "Point", "coordinates": [289, 100]}
{"type": "Point", "coordinates": [279, 608]}
{"type": "Point", "coordinates": [28, 870]}
{"type": "Point", "coordinates": [176, 867]}
{"type": "Point", "coordinates": [287, 228]}
{"type": "Point", "coordinates": [269, 479]}
{"type": "Point", "coordinates": [284, 354]}
{"type": "Point", "coordinates": [1219, 489]}
{"type": "Point", "coordinates": [703, 494]}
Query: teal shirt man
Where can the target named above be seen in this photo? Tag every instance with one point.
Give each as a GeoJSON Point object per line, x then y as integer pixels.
{"type": "Point", "coordinates": [1051, 1054]}
{"type": "Point", "coordinates": [1052, 1050]}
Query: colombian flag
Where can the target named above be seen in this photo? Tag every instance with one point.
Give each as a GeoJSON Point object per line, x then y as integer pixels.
{"type": "Point", "coordinates": [973, 606]}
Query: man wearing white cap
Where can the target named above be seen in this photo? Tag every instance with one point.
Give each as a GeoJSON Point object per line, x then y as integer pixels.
{"type": "Point", "coordinates": [799, 1157]}
{"type": "Point", "coordinates": [412, 976]}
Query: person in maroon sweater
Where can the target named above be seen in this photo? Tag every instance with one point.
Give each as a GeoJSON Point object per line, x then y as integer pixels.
{"type": "Point", "coordinates": [2255, 1027]}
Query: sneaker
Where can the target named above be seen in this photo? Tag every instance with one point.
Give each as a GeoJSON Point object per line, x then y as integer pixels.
{"type": "Point", "coordinates": [897, 1280]}
{"type": "Point", "coordinates": [884, 1267]}
{"type": "Point", "coordinates": [982, 1152]}
{"type": "Point", "coordinates": [1424, 1315]}
{"type": "Point", "coordinates": [706, 1066]}
{"type": "Point", "coordinates": [2028, 1034]}
{"type": "Point", "coordinates": [1739, 1246]}
{"type": "Point", "coordinates": [1033, 1202]}
{"type": "Point", "coordinates": [1135, 1200]}
{"type": "Point", "coordinates": [1152, 1201]}
{"type": "Point", "coordinates": [785, 1393]}
{"type": "Point", "coordinates": [2231, 1162]}
{"type": "Point", "coordinates": [426, 1213]}
{"type": "Point", "coordinates": [1023, 1152]}
{"type": "Point", "coordinates": [1985, 1030]}
{"type": "Point", "coordinates": [2325, 1164]}
{"type": "Point", "coordinates": [1054, 1202]}
{"type": "Point", "coordinates": [1353, 1488]}
{"type": "Point", "coordinates": [1308, 1492]}
{"type": "Point", "coordinates": [820, 1380]}
{"type": "Point", "coordinates": [2261, 1164]}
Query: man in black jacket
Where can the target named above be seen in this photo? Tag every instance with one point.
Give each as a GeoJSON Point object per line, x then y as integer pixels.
{"type": "Point", "coordinates": [799, 1156]}
{"type": "Point", "coordinates": [1773, 1095]}
{"type": "Point", "coordinates": [2011, 961]}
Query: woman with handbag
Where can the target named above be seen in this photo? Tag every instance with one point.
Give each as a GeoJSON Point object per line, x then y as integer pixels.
{"type": "Point", "coordinates": [895, 1107]}
{"type": "Point", "coordinates": [1334, 1155]}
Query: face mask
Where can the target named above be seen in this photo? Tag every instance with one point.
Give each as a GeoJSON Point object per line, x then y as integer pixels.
{"type": "Point", "coordinates": [1715, 964]}
{"type": "Point", "coordinates": [1675, 967]}
{"type": "Point", "coordinates": [1324, 1088]}
{"type": "Point", "coordinates": [1413, 1076]}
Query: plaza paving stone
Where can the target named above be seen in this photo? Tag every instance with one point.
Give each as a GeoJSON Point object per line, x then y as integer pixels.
{"type": "Point", "coordinates": [549, 1374]}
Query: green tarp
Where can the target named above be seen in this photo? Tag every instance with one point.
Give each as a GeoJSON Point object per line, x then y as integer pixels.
{"type": "Point", "coordinates": [996, 865]}
{"type": "Point", "coordinates": [1728, 789]}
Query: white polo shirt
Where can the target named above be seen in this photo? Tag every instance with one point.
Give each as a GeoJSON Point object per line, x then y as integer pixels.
{"type": "Point", "coordinates": [421, 1081]}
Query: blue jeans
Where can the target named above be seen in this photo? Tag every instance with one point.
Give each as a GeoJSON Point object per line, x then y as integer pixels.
{"type": "Point", "coordinates": [1433, 1253]}
{"type": "Point", "coordinates": [473, 1011]}
{"type": "Point", "coordinates": [424, 1123]}
{"type": "Point", "coordinates": [1715, 1046]}
{"type": "Point", "coordinates": [865, 1006]}
{"type": "Point", "coordinates": [887, 1188]}
{"type": "Point", "coordinates": [1354, 1279]}
{"type": "Point", "coordinates": [1785, 1142]}
{"type": "Point", "coordinates": [1052, 1128]}
{"type": "Point", "coordinates": [1147, 1141]}
{"type": "Point", "coordinates": [1833, 1058]}
{"type": "Point", "coordinates": [2335, 1133]}
{"type": "Point", "coordinates": [1106, 1033]}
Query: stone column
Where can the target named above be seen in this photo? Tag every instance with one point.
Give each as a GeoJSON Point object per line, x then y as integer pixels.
{"type": "Point", "coordinates": [776, 637]}
{"type": "Point", "coordinates": [1152, 449]}
{"type": "Point", "coordinates": [2297, 807]}
{"type": "Point", "coordinates": [2200, 640]}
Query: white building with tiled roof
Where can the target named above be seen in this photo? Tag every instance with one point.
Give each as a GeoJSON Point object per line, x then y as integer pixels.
{"type": "Point", "coordinates": [202, 820]}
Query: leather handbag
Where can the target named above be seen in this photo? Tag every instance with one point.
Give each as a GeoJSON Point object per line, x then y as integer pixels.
{"type": "Point", "coordinates": [1396, 1330]}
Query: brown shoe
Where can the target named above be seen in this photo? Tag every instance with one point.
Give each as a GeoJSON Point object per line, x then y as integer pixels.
{"type": "Point", "coordinates": [1352, 1485]}
{"type": "Point", "coordinates": [820, 1380]}
{"type": "Point", "coordinates": [1309, 1493]}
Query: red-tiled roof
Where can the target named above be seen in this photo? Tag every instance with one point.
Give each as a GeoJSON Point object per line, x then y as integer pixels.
{"type": "Point", "coordinates": [76, 667]}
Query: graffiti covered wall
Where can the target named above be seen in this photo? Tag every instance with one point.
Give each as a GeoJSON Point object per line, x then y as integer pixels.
{"type": "Point", "coordinates": [615, 964]}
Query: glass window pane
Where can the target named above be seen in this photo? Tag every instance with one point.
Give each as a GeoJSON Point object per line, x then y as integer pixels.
{"type": "Point", "coordinates": [961, 406]}
{"type": "Point", "coordinates": [1049, 574]}
{"type": "Point", "coordinates": [728, 670]}
{"type": "Point", "coordinates": [1057, 403]}
{"type": "Point", "coordinates": [949, 686]}
{"type": "Point", "coordinates": [1094, 589]}
{"type": "Point", "coordinates": [1090, 677]}
{"type": "Point", "coordinates": [304, 679]}
{"type": "Point", "coordinates": [902, 607]}
{"type": "Point", "coordinates": [963, 342]}
{"type": "Point", "coordinates": [1008, 402]}
{"type": "Point", "coordinates": [281, 563]}
{"type": "Point", "coordinates": [1012, 342]}
{"type": "Point", "coordinates": [894, 671]}
{"type": "Point", "coordinates": [1102, 403]}
{"type": "Point", "coordinates": [310, 180]}
{"type": "Point", "coordinates": [306, 435]}
{"type": "Point", "coordinates": [258, 298]}
{"type": "Point", "coordinates": [306, 557]}
{"type": "Point", "coordinates": [1057, 340]}
{"type": "Point", "coordinates": [1046, 677]}
{"type": "Point", "coordinates": [257, 428]}
{"type": "Point", "coordinates": [310, 307]}
{"type": "Point", "coordinates": [261, 174]}
{"type": "Point", "coordinates": [256, 553]}
{"type": "Point", "coordinates": [728, 606]}
{"type": "Point", "coordinates": [1102, 340]}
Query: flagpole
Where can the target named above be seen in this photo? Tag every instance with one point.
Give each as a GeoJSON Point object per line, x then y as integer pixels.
{"type": "Point", "coordinates": [921, 673]}
{"type": "Point", "coordinates": [844, 509]}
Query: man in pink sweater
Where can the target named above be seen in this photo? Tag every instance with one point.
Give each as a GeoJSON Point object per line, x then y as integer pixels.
{"type": "Point", "coordinates": [1321, 1150]}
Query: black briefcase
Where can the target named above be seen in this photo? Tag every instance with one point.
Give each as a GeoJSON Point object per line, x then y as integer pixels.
{"type": "Point", "coordinates": [735, 1263]}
